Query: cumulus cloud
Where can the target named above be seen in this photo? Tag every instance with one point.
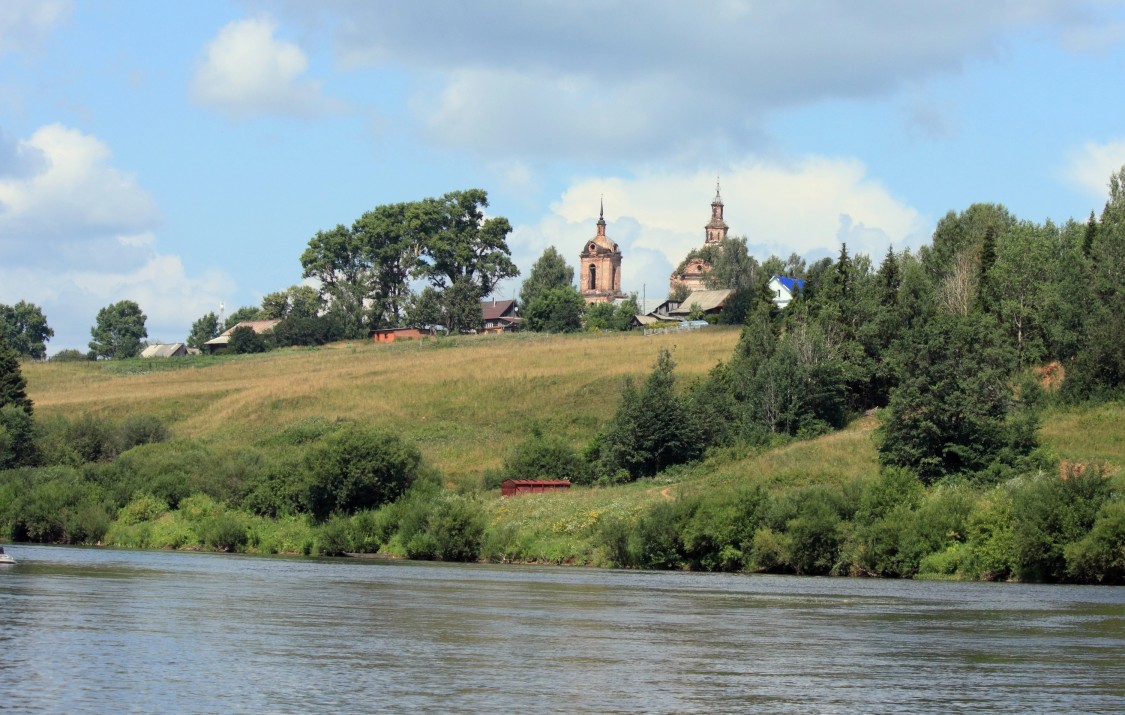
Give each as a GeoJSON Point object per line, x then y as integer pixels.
{"type": "Point", "coordinates": [580, 78]}
{"type": "Point", "coordinates": [77, 233]}
{"type": "Point", "coordinates": [64, 189]}
{"type": "Point", "coordinates": [24, 23]}
{"type": "Point", "coordinates": [246, 71]}
{"type": "Point", "coordinates": [1089, 168]}
{"type": "Point", "coordinates": [806, 207]}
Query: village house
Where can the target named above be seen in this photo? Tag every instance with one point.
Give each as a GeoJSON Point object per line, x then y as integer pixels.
{"type": "Point", "coordinates": [390, 335]}
{"type": "Point", "coordinates": [165, 350]}
{"type": "Point", "coordinates": [500, 316]}
{"type": "Point", "coordinates": [784, 289]}
{"type": "Point", "coordinates": [258, 326]}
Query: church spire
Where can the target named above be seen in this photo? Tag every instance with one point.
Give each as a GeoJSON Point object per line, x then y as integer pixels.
{"type": "Point", "coordinates": [601, 216]}
{"type": "Point", "coordinates": [716, 230]}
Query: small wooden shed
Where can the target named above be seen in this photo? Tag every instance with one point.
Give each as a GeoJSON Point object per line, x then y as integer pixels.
{"type": "Point", "coordinates": [389, 335]}
{"type": "Point", "coordinates": [512, 487]}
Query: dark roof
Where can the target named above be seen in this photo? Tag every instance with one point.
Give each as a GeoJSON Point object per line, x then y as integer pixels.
{"type": "Point", "coordinates": [496, 309]}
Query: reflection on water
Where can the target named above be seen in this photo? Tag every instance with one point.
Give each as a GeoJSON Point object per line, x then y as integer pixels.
{"type": "Point", "coordinates": [98, 631]}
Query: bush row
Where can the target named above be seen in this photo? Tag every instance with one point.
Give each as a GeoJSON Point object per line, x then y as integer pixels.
{"type": "Point", "coordinates": [1036, 528]}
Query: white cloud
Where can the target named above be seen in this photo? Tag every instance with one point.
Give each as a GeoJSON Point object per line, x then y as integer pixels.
{"type": "Point", "coordinates": [24, 23]}
{"type": "Point", "coordinates": [1089, 168]}
{"type": "Point", "coordinates": [246, 72]}
{"type": "Point", "coordinates": [66, 192]}
{"type": "Point", "coordinates": [77, 233]}
{"type": "Point", "coordinates": [71, 297]}
{"type": "Point", "coordinates": [806, 207]}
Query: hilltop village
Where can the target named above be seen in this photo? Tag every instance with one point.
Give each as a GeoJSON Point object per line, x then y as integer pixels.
{"type": "Point", "coordinates": [690, 292]}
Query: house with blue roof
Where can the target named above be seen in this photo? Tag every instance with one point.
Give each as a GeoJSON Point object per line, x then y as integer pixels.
{"type": "Point", "coordinates": [784, 289]}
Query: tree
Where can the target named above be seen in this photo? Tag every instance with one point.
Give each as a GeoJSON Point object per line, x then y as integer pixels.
{"type": "Point", "coordinates": [346, 274]}
{"type": "Point", "coordinates": [118, 331]}
{"type": "Point", "coordinates": [244, 314]}
{"type": "Point", "coordinates": [550, 272]}
{"type": "Point", "coordinates": [25, 329]}
{"type": "Point", "coordinates": [651, 429]}
{"type": "Point", "coordinates": [13, 385]}
{"type": "Point", "coordinates": [424, 309]}
{"type": "Point", "coordinates": [460, 244]}
{"type": "Point", "coordinates": [202, 330]}
{"type": "Point", "coordinates": [358, 468]}
{"type": "Point", "coordinates": [949, 413]}
{"type": "Point", "coordinates": [556, 310]}
{"type": "Point", "coordinates": [461, 307]}
{"type": "Point", "coordinates": [299, 301]}
{"type": "Point", "coordinates": [732, 266]}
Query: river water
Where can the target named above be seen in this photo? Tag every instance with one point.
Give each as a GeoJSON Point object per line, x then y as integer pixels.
{"type": "Point", "coordinates": [102, 631]}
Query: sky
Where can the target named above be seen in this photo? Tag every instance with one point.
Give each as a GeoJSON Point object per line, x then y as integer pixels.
{"type": "Point", "coordinates": [181, 154]}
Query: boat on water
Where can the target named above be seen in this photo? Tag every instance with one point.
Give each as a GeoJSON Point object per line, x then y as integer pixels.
{"type": "Point", "coordinates": [5, 559]}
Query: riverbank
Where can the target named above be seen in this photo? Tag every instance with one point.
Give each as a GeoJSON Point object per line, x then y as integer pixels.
{"type": "Point", "coordinates": [239, 428]}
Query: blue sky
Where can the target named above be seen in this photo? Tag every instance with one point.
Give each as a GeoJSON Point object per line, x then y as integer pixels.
{"type": "Point", "coordinates": [182, 154]}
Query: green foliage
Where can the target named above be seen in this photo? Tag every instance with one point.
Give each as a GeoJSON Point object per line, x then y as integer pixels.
{"type": "Point", "coordinates": [546, 457]}
{"type": "Point", "coordinates": [555, 310]}
{"type": "Point", "coordinates": [202, 330]}
{"type": "Point", "coordinates": [17, 438]}
{"type": "Point", "coordinates": [651, 429]}
{"type": "Point", "coordinates": [357, 468]}
{"type": "Point", "coordinates": [118, 331]}
{"type": "Point", "coordinates": [143, 507]}
{"type": "Point", "coordinates": [244, 339]}
{"type": "Point", "coordinates": [24, 328]}
{"type": "Point", "coordinates": [949, 415]}
{"type": "Point", "coordinates": [244, 314]}
{"type": "Point", "coordinates": [71, 355]}
{"type": "Point", "coordinates": [1099, 557]}
{"type": "Point", "coordinates": [299, 330]}
{"type": "Point", "coordinates": [13, 385]}
{"type": "Point", "coordinates": [1051, 515]}
{"type": "Point", "coordinates": [550, 272]}
{"type": "Point", "coordinates": [461, 310]}
{"type": "Point", "coordinates": [425, 309]}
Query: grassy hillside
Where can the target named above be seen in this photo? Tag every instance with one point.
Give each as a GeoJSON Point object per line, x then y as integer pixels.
{"type": "Point", "coordinates": [463, 401]}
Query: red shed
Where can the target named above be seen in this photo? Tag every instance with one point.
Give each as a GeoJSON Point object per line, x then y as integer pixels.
{"type": "Point", "coordinates": [511, 487]}
{"type": "Point", "coordinates": [389, 335]}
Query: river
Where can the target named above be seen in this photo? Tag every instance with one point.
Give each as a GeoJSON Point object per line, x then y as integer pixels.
{"type": "Point", "coordinates": [104, 631]}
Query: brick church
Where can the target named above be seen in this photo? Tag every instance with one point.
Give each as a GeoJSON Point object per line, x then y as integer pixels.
{"type": "Point", "coordinates": [715, 232]}
{"type": "Point", "coordinates": [599, 277]}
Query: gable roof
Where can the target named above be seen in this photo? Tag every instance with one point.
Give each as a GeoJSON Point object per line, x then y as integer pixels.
{"type": "Point", "coordinates": [793, 285]}
{"type": "Point", "coordinates": [496, 309]}
{"type": "Point", "coordinates": [705, 299]}
{"type": "Point", "coordinates": [164, 350]}
{"type": "Point", "coordinates": [258, 326]}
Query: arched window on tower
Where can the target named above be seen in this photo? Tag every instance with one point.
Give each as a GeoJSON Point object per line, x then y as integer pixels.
{"type": "Point", "coordinates": [593, 277]}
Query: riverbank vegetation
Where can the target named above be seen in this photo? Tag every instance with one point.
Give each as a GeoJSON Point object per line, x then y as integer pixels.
{"type": "Point", "coordinates": [954, 413]}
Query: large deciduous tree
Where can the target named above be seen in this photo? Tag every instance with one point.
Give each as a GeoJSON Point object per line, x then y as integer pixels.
{"type": "Point", "coordinates": [118, 331]}
{"type": "Point", "coordinates": [346, 274]}
{"type": "Point", "coordinates": [25, 329]}
{"type": "Point", "coordinates": [460, 244]}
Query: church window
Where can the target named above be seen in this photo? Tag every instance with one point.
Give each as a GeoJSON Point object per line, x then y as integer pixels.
{"type": "Point", "coordinates": [593, 277]}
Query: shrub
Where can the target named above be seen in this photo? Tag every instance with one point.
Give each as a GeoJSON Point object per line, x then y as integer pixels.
{"type": "Point", "coordinates": [332, 537]}
{"type": "Point", "coordinates": [145, 507]}
{"type": "Point", "coordinates": [223, 531]}
{"type": "Point", "coordinates": [450, 528]}
{"type": "Point", "coordinates": [244, 340]}
{"type": "Point", "coordinates": [357, 468]}
{"type": "Point", "coordinates": [1100, 556]}
{"type": "Point", "coordinates": [540, 457]}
